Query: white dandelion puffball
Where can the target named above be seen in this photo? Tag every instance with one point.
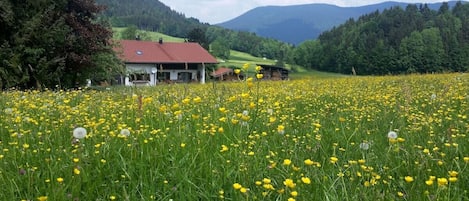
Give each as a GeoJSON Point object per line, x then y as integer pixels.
{"type": "Point", "coordinates": [270, 111]}
{"type": "Point", "coordinates": [79, 133]}
{"type": "Point", "coordinates": [8, 110]}
{"type": "Point", "coordinates": [392, 135]}
{"type": "Point", "coordinates": [364, 145]}
{"type": "Point", "coordinates": [125, 132]}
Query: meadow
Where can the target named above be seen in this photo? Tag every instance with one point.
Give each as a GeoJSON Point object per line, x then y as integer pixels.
{"type": "Point", "coordinates": [346, 138]}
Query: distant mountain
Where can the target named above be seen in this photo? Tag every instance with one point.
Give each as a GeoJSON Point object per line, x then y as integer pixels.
{"type": "Point", "coordinates": [295, 24]}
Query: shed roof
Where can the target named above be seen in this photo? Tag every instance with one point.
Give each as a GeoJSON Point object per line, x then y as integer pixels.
{"type": "Point", "coordinates": [134, 51]}
{"type": "Point", "coordinates": [221, 71]}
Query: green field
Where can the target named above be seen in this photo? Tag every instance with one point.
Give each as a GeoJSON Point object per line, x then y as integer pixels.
{"type": "Point", "coordinates": [350, 138]}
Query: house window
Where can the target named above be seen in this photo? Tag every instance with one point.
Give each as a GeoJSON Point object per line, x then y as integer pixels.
{"type": "Point", "coordinates": [184, 77]}
{"type": "Point", "coordinates": [163, 76]}
{"type": "Point", "coordinates": [139, 77]}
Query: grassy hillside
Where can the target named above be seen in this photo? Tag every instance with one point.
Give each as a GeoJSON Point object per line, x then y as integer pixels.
{"type": "Point", "coordinates": [237, 59]}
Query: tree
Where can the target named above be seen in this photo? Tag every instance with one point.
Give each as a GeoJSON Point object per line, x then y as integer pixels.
{"type": "Point", "coordinates": [132, 33]}
{"type": "Point", "coordinates": [198, 35]}
{"type": "Point", "coordinates": [434, 52]}
{"type": "Point", "coordinates": [129, 33]}
{"type": "Point", "coordinates": [220, 49]}
{"type": "Point", "coordinates": [412, 49]}
{"type": "Point", "coordinates": [49, 43]}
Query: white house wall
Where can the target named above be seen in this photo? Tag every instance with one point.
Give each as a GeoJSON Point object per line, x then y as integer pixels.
{"type": "Point", "coordinates": [152, 70]}
{"type": "Point", "coordinates": [140, 67]}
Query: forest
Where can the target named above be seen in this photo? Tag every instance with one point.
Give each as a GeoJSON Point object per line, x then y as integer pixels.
{"type": "Point", "coordinates": [396, 41]}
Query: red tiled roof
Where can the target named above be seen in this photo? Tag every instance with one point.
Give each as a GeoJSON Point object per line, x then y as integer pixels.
{"type": "Point", "coordinates": [221, 71]}
{"type": "Point", "coordinates": [133, 51]}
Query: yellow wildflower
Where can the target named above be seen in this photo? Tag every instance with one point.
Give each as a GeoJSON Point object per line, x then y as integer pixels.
{"type": "Point", "coordinates": [442, 181]}
{"type": "Point", "coordinates": [309, 162]}
{"type": "Point", "coordinates": [334, 159]}
{"type": "Point", "coordinates": [42, 198]}
{"type": "Point", "coordinates": [408, 179]}
{"type": "Point", "coordinates": [289, 183]}
{"type": "Point", "coordinates": [306, 180]}
{"type": "Point", "coordinates": [237, 186]}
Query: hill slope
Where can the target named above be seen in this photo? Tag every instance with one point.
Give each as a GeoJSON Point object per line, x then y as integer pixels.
{"type": "Point", "coordinates": [295, 24]}
{"type": "Point", "coordinates": [148, 15]}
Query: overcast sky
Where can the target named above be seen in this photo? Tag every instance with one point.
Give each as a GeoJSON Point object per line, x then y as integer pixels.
{"type": "Point", "coordinates": [216, 11]}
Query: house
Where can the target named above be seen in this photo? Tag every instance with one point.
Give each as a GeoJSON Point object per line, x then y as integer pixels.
{"type": "Point", "coordinates": [150, 63]}
{"type": "Point", "coordinates": [226, 74]}
{"type": "Point", "coordinates": [271, 72]}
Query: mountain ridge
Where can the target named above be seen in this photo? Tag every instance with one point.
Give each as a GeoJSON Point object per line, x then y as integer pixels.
{"type": "Point", "coordinates": [297, 23]}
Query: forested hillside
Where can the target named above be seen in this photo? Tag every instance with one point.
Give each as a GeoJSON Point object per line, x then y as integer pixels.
{"type": "Point", "coordinates": [149, 15]}
{"type": "Point", "coordinates": [414, 39]}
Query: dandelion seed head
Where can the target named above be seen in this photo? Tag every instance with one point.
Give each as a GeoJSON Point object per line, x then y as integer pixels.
{"type": "Point", "coordinates": [392, 135]}
{"type": "Point", "coordinates": [125, 132]}
{"type": "Point", "coordinates": [79, 133]}
{"type": "Point", "coordinates": [270, 111]}
{"type": "Point", "coordinates": [364, 145]}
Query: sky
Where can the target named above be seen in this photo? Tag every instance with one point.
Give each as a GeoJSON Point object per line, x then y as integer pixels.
{"type": "Point", "coordinates": [217, 11]}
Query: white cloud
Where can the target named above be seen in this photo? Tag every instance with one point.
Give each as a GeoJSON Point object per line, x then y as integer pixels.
{"type": "Point", "coordinates": [216, 11]}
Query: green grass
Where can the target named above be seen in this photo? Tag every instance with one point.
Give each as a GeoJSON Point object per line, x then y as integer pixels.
{"type": "Point", "coordinates": [154, 36]}
{"type": "Point", "coordinates": [306, 139]}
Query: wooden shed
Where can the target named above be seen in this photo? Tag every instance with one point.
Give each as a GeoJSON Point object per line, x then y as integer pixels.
{"type": "Point", "coordinates": [226, 74]}
{"type": "Point", "coordinates": [271, 72]}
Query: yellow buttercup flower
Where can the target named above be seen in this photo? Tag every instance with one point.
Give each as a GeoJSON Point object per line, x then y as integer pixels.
{"type": "Point", "coordinates": [76, 171]}
{"type": "Point", "coordinates": [306, 180]}
{"type": "Point", "coordinates": [42, 198]}
{"type": "Point", "coordinates": [289, 183]}
{"type": "Point", "coordinates": [245, 66]}
{"type": "Point", "coordinates": [237, 186]}
{"type": "Point", "coordinates": [408, 179]}
{"type": "Point", "coordinates": [442, 181]}
{"type": "Point", "coordinates": [258, 68]}
{"type": "Point", "coordinates": [308, 162]}
{"type": "Point", "coordinates": [333, 159]}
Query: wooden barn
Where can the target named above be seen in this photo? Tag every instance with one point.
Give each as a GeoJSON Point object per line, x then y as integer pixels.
{"type": "Point", "coordinates": [149, 63]}
{"type": "Point", "coordinates": [271, 72]}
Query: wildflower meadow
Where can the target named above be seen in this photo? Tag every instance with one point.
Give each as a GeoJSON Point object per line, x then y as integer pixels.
{"type": "Point", "coordinates": [350, 138]}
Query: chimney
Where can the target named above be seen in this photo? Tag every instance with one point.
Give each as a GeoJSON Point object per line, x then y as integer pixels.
{"type": "Point", "coordinates": [160, 41]}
